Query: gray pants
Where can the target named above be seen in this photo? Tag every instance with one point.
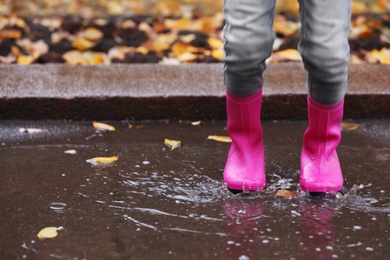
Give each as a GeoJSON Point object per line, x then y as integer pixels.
{"type": "Point", "coordinates": [249, 36]}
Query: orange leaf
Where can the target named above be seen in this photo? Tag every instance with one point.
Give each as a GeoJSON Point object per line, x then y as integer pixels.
{"type": "Point", "coordinates": [82, 44]}
{"type": "Point", "coordinates": [10, 34]}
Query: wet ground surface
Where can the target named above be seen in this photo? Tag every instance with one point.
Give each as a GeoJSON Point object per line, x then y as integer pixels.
{"type": "Point", "coordinates": [157, 203]}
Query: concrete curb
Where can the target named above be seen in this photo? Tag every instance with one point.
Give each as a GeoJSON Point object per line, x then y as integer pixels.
{"type": "Point", "coordinates": [188, 92]}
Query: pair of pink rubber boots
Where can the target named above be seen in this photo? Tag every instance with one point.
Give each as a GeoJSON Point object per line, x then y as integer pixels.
{"type": "Point", "coordinates": [320, 166]}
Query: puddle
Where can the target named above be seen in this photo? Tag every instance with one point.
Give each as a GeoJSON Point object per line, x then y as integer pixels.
{"type": "Point", "coordinates": [160, 204]}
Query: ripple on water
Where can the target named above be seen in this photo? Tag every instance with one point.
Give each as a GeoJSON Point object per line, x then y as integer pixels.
{"type": "Point", "coordinates": [58, 207]}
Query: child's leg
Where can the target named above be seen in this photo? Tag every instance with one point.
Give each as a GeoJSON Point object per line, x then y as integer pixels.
{"type": "Point", "coordinates": [249, 37]}
{"type": "Point", "coordinates": [324, 47]}
{"type": "Point", "coordinates": [325, 51]}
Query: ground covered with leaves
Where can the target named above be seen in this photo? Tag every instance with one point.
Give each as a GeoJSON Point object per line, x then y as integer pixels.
{"type": "Point", "coordinates": [174, 35]}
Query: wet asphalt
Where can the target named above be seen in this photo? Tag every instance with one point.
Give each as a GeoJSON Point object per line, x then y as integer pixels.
{"type": "Point", "coordinates": [158, 203]}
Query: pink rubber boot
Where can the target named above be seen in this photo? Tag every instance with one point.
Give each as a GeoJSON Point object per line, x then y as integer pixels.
{"type": "Point", "coordinates": [320, 166]}
{"type": "Point", "coordinates": [244, 168]}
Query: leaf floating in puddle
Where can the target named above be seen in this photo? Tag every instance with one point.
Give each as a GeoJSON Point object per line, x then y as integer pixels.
{"type": "Point", "coordinates": [349, 126]}
{"type": "Point", "coordinates": [103, 127]}
{"type": "Point", "coordinates": [220, 138]}
{"type": "Point", "coordinates": [49, 232]}
{"type": "Point", "coordinates": [287, 194]}
{"type": "Point", "coordinates": [102, 160]}
{"type": "Point", "coordinates": [173, 144]}
{"type": "Point", "coordinates": [70, 152]}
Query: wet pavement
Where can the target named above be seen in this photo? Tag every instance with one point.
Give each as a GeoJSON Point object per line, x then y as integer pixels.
{"type": "Point", "coordinates": [157, 203]}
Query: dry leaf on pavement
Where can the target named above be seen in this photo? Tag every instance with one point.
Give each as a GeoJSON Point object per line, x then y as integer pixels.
{"type": "Point", "coordinates": [96, 161]}
{"type": "Point", "coordinates": [49, 232]}
{"type": "Point", "coordinates": [103, 127]}
{"type": "Point", "coordinates": [220, 138]}
{"type": "Point", "coordinates": [173, 144]}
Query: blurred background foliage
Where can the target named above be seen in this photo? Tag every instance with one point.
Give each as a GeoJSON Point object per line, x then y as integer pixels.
{"type": "Point", "coordinates": [93, 8]}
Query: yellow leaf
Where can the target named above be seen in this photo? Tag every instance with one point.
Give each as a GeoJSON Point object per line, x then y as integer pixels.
{"type": "Point", "coordinates": [218, 54]}
{"type": "Point", "coordinates": [349, 126]}
{"type": "Point", "coordinates": [215, 43]}
{"type": "Point", "coordinates": [289, 54]}
{"type": "Point", "coordinates": [103, 126]}
{"type": "Point", "coordinates": [82, 44]}
{"type": "Point", "coordinates": [287, 193]}
{"type": "Point", "coordinates": [382, 56]}
{"type": "Point", "coordinates": [49, 232]}
{"type": "Point", "coordinates": [187, 57]}
{"type": "Point", "coordinates": [179, 48]}
{"type": "Point", "coordinates": [173, 144]}
{"type": "Point", "coordinates": [25, 60]}
{"type": "Point", "coordinates": [219, 138]}
{"type": "Point", "coordinates": [92, 34]}
{"type": "Point", "coordinates": [143, 50]}
{"type": "Point", "coordinates": [102, 160]}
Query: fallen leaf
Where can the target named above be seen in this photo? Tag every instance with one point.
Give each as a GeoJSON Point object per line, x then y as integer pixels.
{"type": "Point", "coordinates": [70, 152]}
{"type": "Point", "coordinates": [349, 126]}
{"type": "Point", "coordinates": [287, 193]}
{"type": "Point", "coordinates": [103, 127]}
{"type": "Point", "coordinates": [285, 27]}
{"type": "Point", "coordinates": [173, 144]}
{"type": "Point", "coordinates": [25, 60]}
{"type": "Point", "coordinates": [143, 50]}
{"type": "Point", "coordinates": [218, 54]}
{"type": "Point", "coordinates": [187, 57]}
{"type": "Point", "coordinates": [355, 59]}
{"type": "Point", "coordinates": [215, 43]}
{"type": "Point", "coordinates": [8, 59]}
{"type": "Point", "coordinates": [187, 38]}
{"type": "Point", "coordinates": [92, 34]}
{"type": "Point", "coordinates": [382, 56]}
{"type": "Point", "coordinates": [10, 34]}
{"type": "Point", "coordinates": [219, 138]}
{"type": "Point", "coordinates": [52, 23]}
{"type": "Point", "coordinates": [102, 160]}
{"type": "Point", "coordinates": [30, 130]}
{"type": "Point", "coordinates": [49, 232]}
{"type": "Point", "coordinates": [289, 55]}
{"type": "Point", "coordinates": [82, 44]}
{"type": "Point", "coordinates": [73, 57]}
